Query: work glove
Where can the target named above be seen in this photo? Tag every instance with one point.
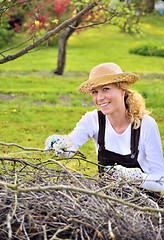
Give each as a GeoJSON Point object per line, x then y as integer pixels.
{"type": "Point", "coordinates": [57, 143]}
{"type": "Point", "coordinates": [120, 173]}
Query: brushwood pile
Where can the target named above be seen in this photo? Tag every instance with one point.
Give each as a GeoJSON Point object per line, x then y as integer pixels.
{"type": "Point", "coordinates": [44, 199]}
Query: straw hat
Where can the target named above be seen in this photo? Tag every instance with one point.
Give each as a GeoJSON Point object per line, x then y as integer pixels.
{"type": "Point", "coordinates": [106, 73]}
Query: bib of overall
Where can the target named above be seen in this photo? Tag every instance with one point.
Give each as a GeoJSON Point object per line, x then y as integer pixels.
{"type": "Point", "coordinates": [106, 157]}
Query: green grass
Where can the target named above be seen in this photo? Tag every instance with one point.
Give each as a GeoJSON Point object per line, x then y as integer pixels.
{"type": "Point", "coordinates": [95, 46]}
{"type": "Point", "coordinates": [35, 104]}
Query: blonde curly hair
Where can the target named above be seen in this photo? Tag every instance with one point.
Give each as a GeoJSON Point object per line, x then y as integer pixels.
{"type": "Point", "coordinates": [135, 106]}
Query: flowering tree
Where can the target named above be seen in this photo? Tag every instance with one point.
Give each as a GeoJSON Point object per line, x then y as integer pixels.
{"type": "Point", "coordinates": [46, 19]}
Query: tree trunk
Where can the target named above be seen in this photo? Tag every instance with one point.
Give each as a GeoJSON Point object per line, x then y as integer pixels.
{"type": "Point", "coordinates": [150, 6]}
{"type": "Point", "coordinates": [62, 47]}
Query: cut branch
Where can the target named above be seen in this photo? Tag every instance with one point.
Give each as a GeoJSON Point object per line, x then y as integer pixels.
{"type": "Point", "coordinates": [24, 148]}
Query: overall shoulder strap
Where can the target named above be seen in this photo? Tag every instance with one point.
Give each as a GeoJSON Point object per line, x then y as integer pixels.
{"type": "Point", "coordinates": [135, 135]}
{"type": "Point", "coordinates": [101, 133]}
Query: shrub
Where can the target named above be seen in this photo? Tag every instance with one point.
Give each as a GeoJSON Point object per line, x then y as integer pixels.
{"type": "Point", "coordinates": [160, 52]}
{"type": "Point", "coordinates": [5, 36]}
{"type": "Point", "coordinates": [148, 49]}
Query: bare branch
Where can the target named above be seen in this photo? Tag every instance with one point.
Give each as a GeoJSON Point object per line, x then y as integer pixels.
{"type": "Point", "coordinates": [79, 221]}
{"type": "Point", "coordinates": [95, 23]}
{"type": "Point", "coordinates": [3, 9]}
{"type": "Point", "coordinates": [72, 175]}
{"type": "Point", "coordinates": [24, 148]}
{"type": "Point", "coordinates": [8, 49]}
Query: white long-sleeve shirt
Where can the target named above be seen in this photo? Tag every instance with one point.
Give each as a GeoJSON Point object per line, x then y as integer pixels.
{"type": "Point", "coordinates": [150, 155]}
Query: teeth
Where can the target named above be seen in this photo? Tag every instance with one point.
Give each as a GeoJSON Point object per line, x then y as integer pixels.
{"type": "Point", "coordinates": [105, 104]}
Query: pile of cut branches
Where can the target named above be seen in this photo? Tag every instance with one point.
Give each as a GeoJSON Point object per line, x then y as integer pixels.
{"type": "Point", "coordinates": [44, 199]}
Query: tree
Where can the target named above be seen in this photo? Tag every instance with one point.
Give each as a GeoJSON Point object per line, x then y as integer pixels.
{"type": "Point", "coordinates": [146, 6]}
{"type": "Point", "coordinates": [64, 36]}
{"type": "Point", "coordinates": [43, 20]}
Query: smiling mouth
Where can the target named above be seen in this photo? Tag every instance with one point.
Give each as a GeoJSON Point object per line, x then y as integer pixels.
{"type": "Point", "coordinates": [105, 104]}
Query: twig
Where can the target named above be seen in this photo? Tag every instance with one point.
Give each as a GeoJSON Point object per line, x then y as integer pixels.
{"type": "Point", "coordinates": [111, 234]}
{"type": "Point", "coordinates": [13, 5]}
{"type": "Point", "coordinates": [68, 172]}
{"type": "Point", "coordinates": [8, 49]}
{"type": "Point", "coordinates": [44, 231]}
{"type": "Point", "coordinates": [24, 148]}
{"type": "Point", "coordinates": [21, 226]}
{"type": "Point", "coordinates": [96, 23]}
{"type": "Point", "coordinates": [24, 229]}
{"type": "Point", "coordinates": [86, 224]}
{"type": "Point", "coordinates": [19, 160]}
{"type": "Point", "coordinates": [9, 227]}
{"type": "Point", "coordinates": [59, 231]}
{"type": "Point", "coordinates": [160, 224]}
{"type": "Point", "coordinates": [16, 199]}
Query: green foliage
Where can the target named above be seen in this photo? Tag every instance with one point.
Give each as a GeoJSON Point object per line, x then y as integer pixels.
{"type": "Point", "coordinates": [148, 49]}
{"type": "Point", "coordinates": [128, 18]}
{"type": "Point", "coordinates": [5, 36]}
{"type": "Point", "coordinates": [38, 15]}
{"type": "Point", "coordinates": [144, 5]}
{"type": "Point", "coordinates": [107, 44]}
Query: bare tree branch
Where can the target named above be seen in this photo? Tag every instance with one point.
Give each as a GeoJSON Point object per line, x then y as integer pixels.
{"type": "Point", "coordinates": [3, 9]}
{"type": "Point", "coordinates": [8, 49]}
{"type": "Point", "coordinates": [95, 23]}
{"type": "Point", "coordinates": [24, 148]}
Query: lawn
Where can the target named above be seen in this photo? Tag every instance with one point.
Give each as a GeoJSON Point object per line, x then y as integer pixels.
{"type": "Point", "coordinates": [35, 103]}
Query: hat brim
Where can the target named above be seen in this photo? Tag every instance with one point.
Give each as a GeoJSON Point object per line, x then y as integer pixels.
{"type": "Point", "coordinates": [90, 84]}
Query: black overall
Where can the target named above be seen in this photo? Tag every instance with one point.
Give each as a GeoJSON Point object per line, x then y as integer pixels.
{"type": "Point", "coordinates": [106, 157]}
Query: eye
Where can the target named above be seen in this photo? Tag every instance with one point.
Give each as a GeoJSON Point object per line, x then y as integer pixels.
{"type": "Point", "coordinates": [94, 91]}
{"type": "Point", "coordinates": [106, 88]}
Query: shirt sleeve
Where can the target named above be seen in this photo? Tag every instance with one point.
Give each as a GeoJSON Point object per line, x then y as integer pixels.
{"type": "Point", "coordinates": [86, 128]}
{"type": "Point", "coordinates": [154, 177]}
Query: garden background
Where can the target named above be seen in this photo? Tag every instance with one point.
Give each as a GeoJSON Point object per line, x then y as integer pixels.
{"type": "Point", "coordinates": [35, 103]}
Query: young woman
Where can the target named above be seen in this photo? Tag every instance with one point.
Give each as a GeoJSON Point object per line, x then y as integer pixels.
{"type": "Point", "coordinates": [127, 139]}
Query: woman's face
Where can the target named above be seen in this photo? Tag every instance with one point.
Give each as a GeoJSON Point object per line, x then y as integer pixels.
{"type": "Point", "coordinates": [109, 99]}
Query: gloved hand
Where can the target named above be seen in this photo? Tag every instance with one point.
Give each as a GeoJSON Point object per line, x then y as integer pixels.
{"type": "Point", "coordinates": [120, 173]}
{"type": "Point", "coordinates": [57, 143]}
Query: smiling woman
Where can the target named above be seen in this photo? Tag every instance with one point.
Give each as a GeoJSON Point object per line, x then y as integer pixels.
{"type": "Point", "coordinates": [127, 139]}
{"type": "Point", "coordinates": [109, 99]}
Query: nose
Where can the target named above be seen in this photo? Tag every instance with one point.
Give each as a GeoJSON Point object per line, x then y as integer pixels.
{"type": "Point", "coordinates": [100, 95]}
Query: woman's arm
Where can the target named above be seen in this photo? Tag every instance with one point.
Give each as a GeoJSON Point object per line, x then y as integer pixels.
{"type": "Point", "coordinates": [150, 139]}
{"type": "Point", "coordinates": [86, 128]}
